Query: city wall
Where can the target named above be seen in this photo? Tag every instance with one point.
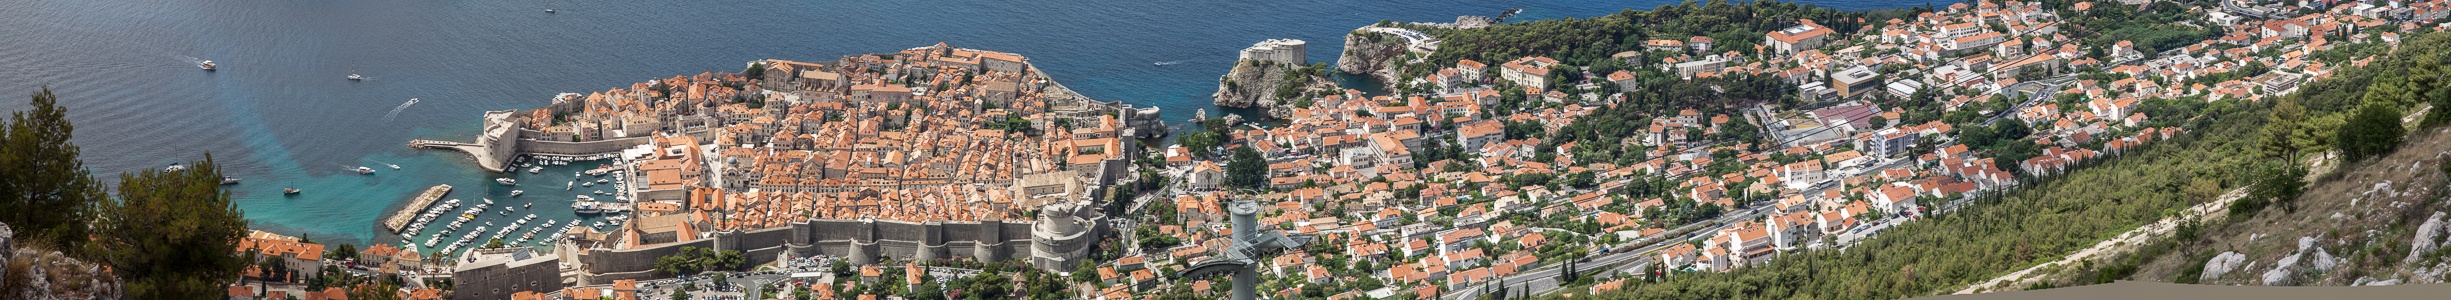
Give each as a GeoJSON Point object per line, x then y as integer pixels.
{"type": "Point", "coordinates": [861, 241]}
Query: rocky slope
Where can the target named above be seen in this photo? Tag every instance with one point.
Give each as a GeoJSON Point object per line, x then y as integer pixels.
{"type": "Point", "coordinates": [1370, 53]}
{"type": "Point", "coordinates": [43, 274]}
{"type": "Point", "coordinates": [1268, 85]}
{"type": "Point", "coordinates": [2373, 223]}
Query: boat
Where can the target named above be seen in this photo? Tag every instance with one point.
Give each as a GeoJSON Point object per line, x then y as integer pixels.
{"type": "Point", "coordinates": [355, 77]}
{"type": "Point", "coordinates": [590, 184]}
{"type": "Point", "coordinates": [600, 170]}
{"type": "Point", "coordinates": [226, 180]}
{"type": "Point", "coordinates": [365, 170]}
{"type": "Point", "coordinates": [515, 193]}
{"type": "Point", "coordinates": [488, 201]}
{"type": "Point", "coordinates": [174, 168]}
{"type": "Point", "coordinates": [533, 170]}
{"type": "Point", "coordinates": [587, 208]}
{"type": "Point", "coordinates": [529, 205]}
{"type": "Point", "coordinates": [507, 181]}
{"type": "Point", "coordinates": [393, 166]}
{"type": "Point", "coordinates": [208, 65]}
{"type": "Point", "coordinates": [289, 191]}
{"type": "Point", "coordinates": [586, 198]}
{"type": "Point", "coordinates": [566, 187]}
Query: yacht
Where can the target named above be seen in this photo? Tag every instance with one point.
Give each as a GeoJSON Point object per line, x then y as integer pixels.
{"type": "Point", "coordinates": [355, 77]}
{"type": "Point", "coordinates": [208, 65]}
{"type": "Point", "coordinates": [174, 168]}
{"type": "Point", "coordinates": [488, 201]}
{"type": "Point", "coordinates": [515, 193]}
{"type": "Point", "coordinates": [365, 170]}
{"type": "Point", "coordinates": [289, 191]}
{"type": "Point", "coordinates": [507, 181]}
{"type": "Point", "coordinates": [590, 184]}
{"type": "Point", "coordinates": [533, 170]}
{"type": "Point", "coordinates": [226, 180]}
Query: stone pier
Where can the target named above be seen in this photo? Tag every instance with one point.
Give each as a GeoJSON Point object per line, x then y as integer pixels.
{"type": "Point", "coordinates": [493, 149]}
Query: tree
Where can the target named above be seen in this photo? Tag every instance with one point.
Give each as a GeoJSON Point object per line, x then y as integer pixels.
{"type": "Point", "coordinates": [162, 225]}
{"type": "Point", "coordinates": [343, 252]}
{"type": "Point", "coordinates": [2374, 131]}
{"type": "Point", "coordinates": [928, 291]}
{"type": "Point", "coordinates": [2280, 134]}
{"type": "Point", "coordinates": [2441, 114]}
{"type": "Point", "coordinates": [45, 192]}
{"type": "Point", "coordinates": [1246, 169]}
{"type": "Point", "coordinates": [681, 293]}
{"type": "Point", "coordinates": [1087, 272]}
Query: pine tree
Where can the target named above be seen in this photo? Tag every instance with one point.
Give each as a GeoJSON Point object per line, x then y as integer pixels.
{"type": "Point", "coordinates": [45, 191]}
{"type": "Point", "coordinates": [2374, 131]}
{"type": "Point", "coordinates": [2280, 133]}
{"type": "Point", "coordinates": [162, 226]}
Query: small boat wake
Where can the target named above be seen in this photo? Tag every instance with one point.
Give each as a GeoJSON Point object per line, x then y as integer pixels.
{"type": "Point", "coordinates": [395, 111]}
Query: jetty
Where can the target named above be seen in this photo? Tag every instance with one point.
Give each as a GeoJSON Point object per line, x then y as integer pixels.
{"type": "Point", "coordinates": [400, 219]}
{"type": "Point", "coordinates": [492, 150]}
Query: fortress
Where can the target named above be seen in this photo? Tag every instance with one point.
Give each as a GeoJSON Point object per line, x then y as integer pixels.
{"type": "Point", "coordinates": [1057, 240]}
{"type": "Point", "coordinates": [1285, 51]}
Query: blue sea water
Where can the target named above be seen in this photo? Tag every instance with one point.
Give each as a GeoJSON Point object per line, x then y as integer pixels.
{"type": "Point", "coordinates": [279, 113]}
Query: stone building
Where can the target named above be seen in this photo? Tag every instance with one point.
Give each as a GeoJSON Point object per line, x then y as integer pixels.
{"type": "Point", "coordinates": [1284, 51]}
{"type": "Point", "coordinates": [499, 273]}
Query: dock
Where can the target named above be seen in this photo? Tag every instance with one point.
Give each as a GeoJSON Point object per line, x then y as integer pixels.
{"type": "Point", "coordinates": [400, 219]}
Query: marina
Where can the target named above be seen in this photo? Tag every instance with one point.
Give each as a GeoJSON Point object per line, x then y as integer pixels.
{"type": "Point", "coordinates": [399, 220]}
{"type": "Point", "coordinates": [448, 228]}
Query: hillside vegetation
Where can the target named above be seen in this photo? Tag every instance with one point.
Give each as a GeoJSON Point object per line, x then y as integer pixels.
{"type": "Point", "coordinates": [2053, 216]}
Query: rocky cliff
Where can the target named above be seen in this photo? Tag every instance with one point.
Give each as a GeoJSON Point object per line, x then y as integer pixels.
{"type": "Point", "coordinates": [1269, 85]}
{"type": "Point", "coordinates": [44, 274]}
{"type": "Point", "coordinates": [1370, 53]}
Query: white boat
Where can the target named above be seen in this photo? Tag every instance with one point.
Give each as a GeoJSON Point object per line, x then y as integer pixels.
{"type": "Point", "coordinates": [208, 65]}
{"type": "Point", "coordinates": [365, 170]}
{"type": "Point", "coordinates": [355, 77]}
{"type": "Point", "coordinates": [567, 186]}
{"type": "Point", "coordinates": [393, 166]}
{"type": "Point", "coordinates": [586, 198]}
{"type": "Point", "coordinates": [588, 184]}
{"type": "Point", "coordinates": [533, 170]}
{"type": "Point", "coordinates": [174, 168]}
{"type": "Point", "coordinates": [515, 193]}
{"type": "Point", "coordinates": [507, 181]}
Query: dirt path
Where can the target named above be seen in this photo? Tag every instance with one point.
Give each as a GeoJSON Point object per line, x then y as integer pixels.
{"type": "Point", "coordinates": [2121, 244]}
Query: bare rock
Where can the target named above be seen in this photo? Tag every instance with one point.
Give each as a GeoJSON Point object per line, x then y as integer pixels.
{"type": "Point", "coordinates": [51, 275]}
{"type": "Point", "coordinates": [2221, 265]}
{"type": "Point", "coordinates": [2427, 236]}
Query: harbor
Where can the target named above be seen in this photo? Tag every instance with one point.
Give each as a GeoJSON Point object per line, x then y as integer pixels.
{"type": "Point", "coordinates": [526, 206]}
{"type": "Point", "coordinates": [400, 220]}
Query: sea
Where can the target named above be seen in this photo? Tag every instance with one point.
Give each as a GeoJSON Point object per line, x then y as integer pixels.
{"type": "Point", "coordinates": [280, 114]}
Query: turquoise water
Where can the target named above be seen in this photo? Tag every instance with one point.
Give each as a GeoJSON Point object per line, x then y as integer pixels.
{"type": "Point", "coordinates": [279, 113]}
